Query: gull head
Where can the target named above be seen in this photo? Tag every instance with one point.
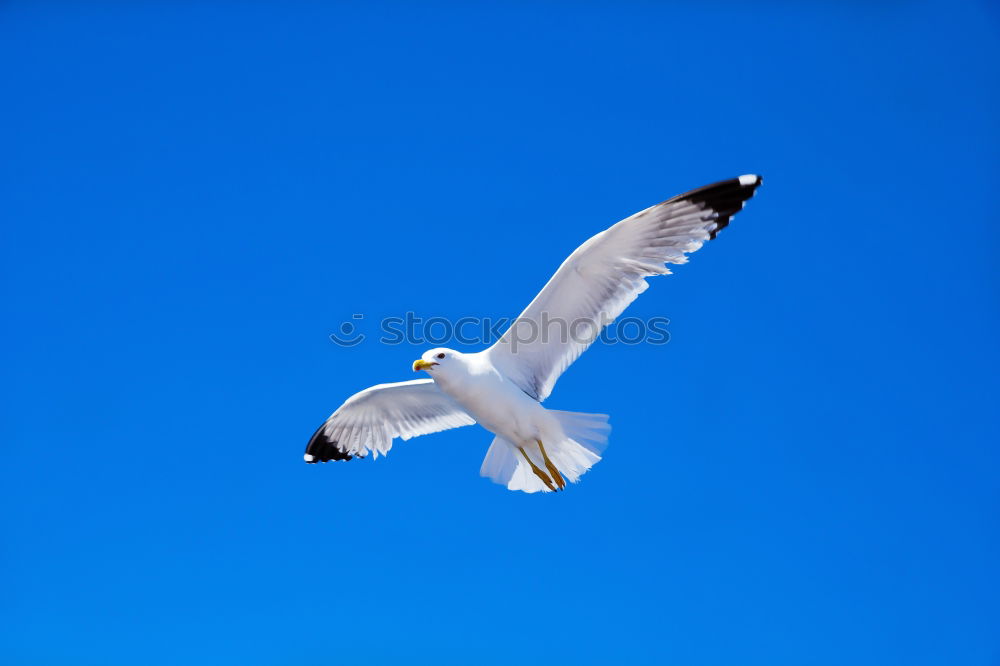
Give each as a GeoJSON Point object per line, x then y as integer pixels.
{"type": "Point", "coordinates": [434, 358]}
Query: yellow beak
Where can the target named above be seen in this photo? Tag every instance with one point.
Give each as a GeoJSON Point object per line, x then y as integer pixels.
{"type": "Point", "coordinates": [421, 364]}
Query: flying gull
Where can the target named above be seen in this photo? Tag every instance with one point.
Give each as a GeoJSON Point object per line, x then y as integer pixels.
{"type": "Point", "coordinates": [502, 388]}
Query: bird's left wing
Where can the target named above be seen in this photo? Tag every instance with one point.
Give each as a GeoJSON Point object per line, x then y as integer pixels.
{"type": "Point", "coordinates": [368, 421]}
{"type": "Point", "coordinates": [599, 280]}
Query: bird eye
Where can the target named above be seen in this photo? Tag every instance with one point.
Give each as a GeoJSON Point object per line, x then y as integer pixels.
{"type": "Point", "coordinates": [441, 355]}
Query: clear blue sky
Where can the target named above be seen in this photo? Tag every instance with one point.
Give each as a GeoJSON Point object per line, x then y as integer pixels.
{"type": "Point", "coordinates": [195, 195]}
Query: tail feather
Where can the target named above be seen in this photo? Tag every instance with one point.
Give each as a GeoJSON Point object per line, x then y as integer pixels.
{"type": "Point", "coordinates": [589, 430]}
{"type": "Point", "coordinates": [584, 438]}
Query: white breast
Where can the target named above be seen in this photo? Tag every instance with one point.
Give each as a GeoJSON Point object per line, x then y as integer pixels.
{"type": "Point", "coordinates": [495, 402]}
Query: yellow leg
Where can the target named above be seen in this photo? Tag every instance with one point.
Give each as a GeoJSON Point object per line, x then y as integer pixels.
{"type": "Point", "coordinates": [553, 470]}
{"type": "Point", "coordinates": [534, 468]}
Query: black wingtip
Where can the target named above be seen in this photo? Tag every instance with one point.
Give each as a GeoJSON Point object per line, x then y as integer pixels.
{"type": "Point", "coordinates": [725, 198]}
{"type": "Point", "coordinates": [323, 449]}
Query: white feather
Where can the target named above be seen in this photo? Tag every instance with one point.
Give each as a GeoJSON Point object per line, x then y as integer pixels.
{"type": "Point", "coordinates": [368, 421]}
{"type": "Point", "coordinates": [595, 284]}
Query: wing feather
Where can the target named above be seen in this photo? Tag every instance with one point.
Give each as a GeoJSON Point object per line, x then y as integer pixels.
{"type": "Point", "coordinates": [368, 421]}
{"type": "Point", "coordinates": [604, 275]}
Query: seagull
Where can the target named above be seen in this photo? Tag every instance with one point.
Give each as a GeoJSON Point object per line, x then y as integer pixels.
{"type": "Point", "coordinates": [502, 388]}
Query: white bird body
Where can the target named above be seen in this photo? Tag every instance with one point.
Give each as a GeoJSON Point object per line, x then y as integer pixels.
{"type": "Point", "coordinates": [496, 403]}
{"type": "Point", "coordinates": [502, 388]}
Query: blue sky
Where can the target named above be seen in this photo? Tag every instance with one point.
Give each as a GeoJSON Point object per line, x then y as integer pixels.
{"type": "Point", "coordinates": [196, 195]}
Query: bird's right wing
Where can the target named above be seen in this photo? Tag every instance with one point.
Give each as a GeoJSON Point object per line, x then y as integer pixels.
{"type": "Point", "coordinates": [599, 280]}
{"type": "Point", "coordinates": [368, 421]}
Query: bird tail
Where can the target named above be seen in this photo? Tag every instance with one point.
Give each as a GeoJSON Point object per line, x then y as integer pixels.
{"type": "Point", "coordinates": [584, 438]}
